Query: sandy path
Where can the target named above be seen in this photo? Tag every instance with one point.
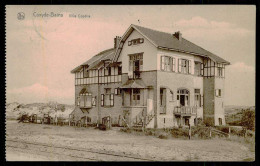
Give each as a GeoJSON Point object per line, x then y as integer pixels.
{"type": "Point", "coordinates": [123, 143]}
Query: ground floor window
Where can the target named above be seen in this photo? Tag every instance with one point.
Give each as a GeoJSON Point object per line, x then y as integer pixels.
{"type": "Point", "coordinates": [78, 101]}
{"type": "Point", "coordinates": [197, 98]}
{"type": "Point", "coordinates": [187, 122]}
{"type": "Point", "coordinates": [107, 99]}
{"type": "Point", "coordinates": [218, 92]}
{"type": "Point", "coordinates": [94, 101]}
{"type": "Point", "coordinates": [85, 100]}
{"type": "Point", "coordinates": [220, 121]}
{"type": "Point", "coordinates": [136, 96]}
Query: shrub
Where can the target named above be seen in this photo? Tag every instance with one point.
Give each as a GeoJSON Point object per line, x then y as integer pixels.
{"type": "Point", "coordinates": [237, 131]}
{"type": "Point", "coordinates": [92, 125]}
{"type": "Point", "coordinates": [163, 136]}
{"type": "Point", "coordinates": [149, 132]}
{"type": "Point", "coordinates": [200, 132]}
{"type": "Point", "coordinates": [116, 125]}
{"type": "Point", "coordinates": [102, 127]}
{"type": "Point", "coordinates": [209, 121]}
{"type": "Point", "coordinates": [127, 130]}
{"type": "Point", "coordinates": [248, 119]}
{"type": "Point", "coordinates": [180, 132]}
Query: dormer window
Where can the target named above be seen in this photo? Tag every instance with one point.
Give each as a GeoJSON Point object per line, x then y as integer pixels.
{"type": "Point", "coordinates": [135, 41]}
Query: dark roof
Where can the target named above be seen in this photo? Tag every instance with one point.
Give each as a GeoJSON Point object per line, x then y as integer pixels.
{"type": "Point", "coordinates": [167, 40]}
{"type": "Point", "coordinates": [92, 62]}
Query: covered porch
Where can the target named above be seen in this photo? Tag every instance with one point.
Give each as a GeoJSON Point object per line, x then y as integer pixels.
{"type": "Point", "coordinates": [137, 101]}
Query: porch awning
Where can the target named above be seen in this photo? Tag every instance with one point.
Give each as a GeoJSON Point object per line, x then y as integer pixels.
{"type": "Point", "coordinates": [84, 92]}
{"type": "Point", "coordinates": [133, 84]}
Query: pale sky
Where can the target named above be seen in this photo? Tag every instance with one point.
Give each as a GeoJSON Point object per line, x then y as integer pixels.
{"type": "Point", "coordinates": [41, 52]}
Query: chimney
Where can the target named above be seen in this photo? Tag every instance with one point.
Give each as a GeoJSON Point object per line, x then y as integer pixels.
{"type": "Point", "coordinates": [116, 41]}
{"type": "Point", "coordinates": [178, 35]}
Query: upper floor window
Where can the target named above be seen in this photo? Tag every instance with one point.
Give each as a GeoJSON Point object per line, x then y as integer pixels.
{"type": "Point", "coordinates": [135, 41]}
{"type": "Point", "coordinates": [136, 64]}
{"type": "Point", "coordinates": [85, 71]}
{"type": "Point", "coordinates": [119, 70]}
{"type": "Point", "coordinates": [167, 63]}
{"type": "Point", "coordinates": [220, 70]}
{"type": "Point", "coordinates": [184, 66]}
{"type": "Point", "coordinates": [198, 69]}
{"type": "Point", "coordinates": [107, 71]}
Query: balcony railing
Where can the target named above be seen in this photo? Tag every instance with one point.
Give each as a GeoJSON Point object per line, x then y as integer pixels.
{"type": "Point", "coordinates": [185, 110]}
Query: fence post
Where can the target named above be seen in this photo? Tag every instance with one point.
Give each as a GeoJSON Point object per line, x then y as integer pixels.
{"type": "Point", "coordinates": [189, 131]}
{"type": "Point", "coordinates": [210, 132]}
{"type": "Point", "coordinates": [229, 132]}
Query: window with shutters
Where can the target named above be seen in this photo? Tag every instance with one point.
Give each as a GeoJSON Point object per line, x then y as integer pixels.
{"type": "Point", "coordinates": [102, 100]}
{"type": "Point", "coordinates": [167, 63]}
{"type": "Point", "coordinates": [184, 66]}
{"type": "Point", "coordinates": [111, 99]}
{"type": "Point", "coordinates": [108, 98]}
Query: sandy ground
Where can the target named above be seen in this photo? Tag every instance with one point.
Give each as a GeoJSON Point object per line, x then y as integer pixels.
{"type": "Point", "coordinates": [115, 141]}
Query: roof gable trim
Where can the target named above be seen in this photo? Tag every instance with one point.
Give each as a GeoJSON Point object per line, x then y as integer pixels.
{"type": "Point", "coordinates": [126, 35]}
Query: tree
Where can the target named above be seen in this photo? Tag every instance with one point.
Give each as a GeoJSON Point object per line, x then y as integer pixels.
{"type": "Point", "coordinates": [61, 107]}
{"type": "Point", "coordinates": [248, 119]}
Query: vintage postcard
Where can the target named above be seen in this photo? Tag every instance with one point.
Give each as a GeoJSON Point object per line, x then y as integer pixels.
{"type": "Point", "coordinates": [130, 83]}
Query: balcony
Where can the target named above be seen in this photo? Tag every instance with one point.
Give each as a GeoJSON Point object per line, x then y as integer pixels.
{"type": "Point", "coordinates": [185, 111]}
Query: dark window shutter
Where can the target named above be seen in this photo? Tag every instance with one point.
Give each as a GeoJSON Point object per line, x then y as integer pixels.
{"type": "Point", "coordinates": [179, 65]}
{"type": "Point", "coordinates": [102, 100]}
